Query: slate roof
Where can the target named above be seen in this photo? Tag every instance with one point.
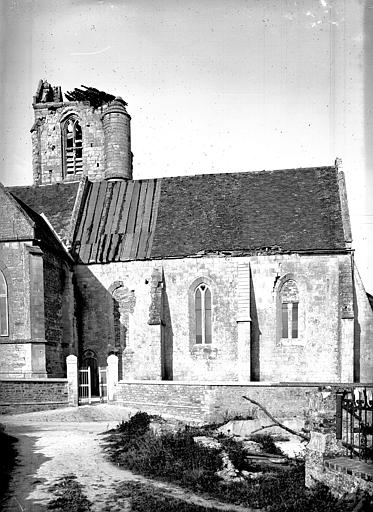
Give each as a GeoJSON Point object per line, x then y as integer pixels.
{"type": "Point", "coordinates": [285, 210]}
{"type": "Point", "coordinates": [268, 211]}
{"type": "Point", "coordinates": [55, 201]}
{"type": "Point", "coordinates": [293, 209]}
{"type": "Point", "coordinates": [42, 232]}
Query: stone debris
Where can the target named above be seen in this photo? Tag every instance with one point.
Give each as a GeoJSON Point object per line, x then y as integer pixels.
{"type": "Point", "coordinates": [252, 446]}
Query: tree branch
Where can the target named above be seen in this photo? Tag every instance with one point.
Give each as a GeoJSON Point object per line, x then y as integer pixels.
{"type": "Point", "coordinates": [263, 427]}
{"type": "Point", "coordinates": [291, 431]}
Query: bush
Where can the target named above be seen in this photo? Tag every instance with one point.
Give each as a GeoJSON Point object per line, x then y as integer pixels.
{"type": "Point", "coordinates": [267, 443]}
{"type": "Point", "coordinates": [174, 455]}
{"type": "Point", "coordinates": [137, 425]}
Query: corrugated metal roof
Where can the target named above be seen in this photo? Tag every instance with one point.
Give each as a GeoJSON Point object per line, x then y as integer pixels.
{"type": "Point", "coordinates": [117, 221]}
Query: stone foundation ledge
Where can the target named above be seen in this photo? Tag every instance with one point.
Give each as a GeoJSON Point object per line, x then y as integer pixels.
{"type": "Point", "coordinates": [352, 467]}
{"type": "Point", "coordinates": [28, 380]}
{"type": "Point", "coordinates": [245, 383]}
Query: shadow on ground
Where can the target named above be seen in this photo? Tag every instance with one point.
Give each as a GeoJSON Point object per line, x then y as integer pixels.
{"type": "Point", "coordinates": [19, 478]}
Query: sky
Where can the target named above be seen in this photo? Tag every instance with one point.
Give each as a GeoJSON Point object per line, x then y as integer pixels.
{"type": "Point", "coordinates": [211, 85]}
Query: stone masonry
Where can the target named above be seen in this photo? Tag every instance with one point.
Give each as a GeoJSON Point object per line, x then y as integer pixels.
{"type": "Point", "coordinates": [314, 356]}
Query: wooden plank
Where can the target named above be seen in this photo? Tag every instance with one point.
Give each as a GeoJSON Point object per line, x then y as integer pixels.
{"type": "Point", "coordinates": [106, 248]}
{"type": "Point", "coordinates": [85, 253]}
{"type": "Point", "coordinates": [141, 252]}
{"type": "Point", "coordinates": [153, 220]}
{"type": "Point", "coordinates": [93, 256]}
{"type": "Point", "coordinates": [101, 247]}
{"type": "Point", "coordinates": [116, 201]}
{"type": "Point", "coordinates": [126, 247]}
{"type": "Point", "coordinates": [140, 207]}
{"type": "Point", "coordinates": [135, 244]}
{"type": "Point", "coordinates": [105, 208]}
{"type": "Point", "coordinates": [91, 204]}
{"type": "Point", "coordinates": [132, 214]}
{"type": "Point", "coordinates": [95, 235]}
{"type": "Point", "coordinates": [113, 247]}
{"type": "Point", "coordinates": [78, 237]}
{"type": "Point", "coordinates": [148, 205]}
{"type": "Point", "coordinates": [124, 208]}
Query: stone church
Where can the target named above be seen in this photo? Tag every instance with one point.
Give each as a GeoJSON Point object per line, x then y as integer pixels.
{"type": "Point", "coordinates": [232, 277]}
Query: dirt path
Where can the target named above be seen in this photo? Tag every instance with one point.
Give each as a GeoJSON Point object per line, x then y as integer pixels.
{"type": "Point", "coordinates": [53, 444]}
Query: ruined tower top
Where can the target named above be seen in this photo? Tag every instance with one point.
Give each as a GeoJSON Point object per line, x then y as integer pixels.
{"type": "Point", "coordinates": [87, 135]}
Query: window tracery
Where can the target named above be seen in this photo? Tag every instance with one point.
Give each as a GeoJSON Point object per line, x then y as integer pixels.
{"type": "Point", "coordinates": [289, 296]}
{"type": "Point", "coordinates": [202, 309]}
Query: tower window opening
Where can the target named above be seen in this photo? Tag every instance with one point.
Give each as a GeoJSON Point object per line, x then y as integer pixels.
{"type": "Point", "coordinates": [72, 147]}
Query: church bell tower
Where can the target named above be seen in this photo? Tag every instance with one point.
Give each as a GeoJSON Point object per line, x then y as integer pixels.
{"type": "Point", "coordinates": [87, 135]}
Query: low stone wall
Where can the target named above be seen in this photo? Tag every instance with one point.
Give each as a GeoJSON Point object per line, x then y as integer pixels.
{"type": "Point", "coordinates": [347, 476]}
{"type": "Point", "coordinates": [27, 395]}
{"type": "Point", "coordinates": [327, 463]}
{"type": "Point", "coordinates": [309, 405]}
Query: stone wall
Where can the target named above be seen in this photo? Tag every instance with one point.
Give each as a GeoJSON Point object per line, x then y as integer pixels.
{"type": "Point", "coordinates": [27, 395]}
{"type": "Point", "coordinates": [328, 463]}
{"type": "Point", "coordinates": [59, 310]}
{"type": "Point", "coordinates": [363, 333]}
{"type": "Point", "coordinates": [315, 356]}
{"type": "Point", "coordinates": [40, 312]}
{"type": "Point", "coordinates": [304, 405]}
{"type": "Point", "coordinates": [15, 349]}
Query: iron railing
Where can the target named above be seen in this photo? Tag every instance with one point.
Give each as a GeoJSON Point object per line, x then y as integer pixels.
{"type": "Point", "coordinates": [354, 421]}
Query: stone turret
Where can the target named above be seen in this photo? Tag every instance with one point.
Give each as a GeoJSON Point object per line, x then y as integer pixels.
{"type": "Point", "coordinates": [117, 140]}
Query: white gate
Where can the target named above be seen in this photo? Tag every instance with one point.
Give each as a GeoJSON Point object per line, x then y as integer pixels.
{"type": "Point", "coordinates": [102, 373]}
{"type": "Point", "coordinates": [85, 385]}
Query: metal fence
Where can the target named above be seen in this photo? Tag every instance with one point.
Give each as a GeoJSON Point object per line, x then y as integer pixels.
{"type": "Point", "coordinates": [102, 372]}
{"type": "Point", "coordinates": [354, 421]}
{"type": "Point", "coordinates": [85, 385]}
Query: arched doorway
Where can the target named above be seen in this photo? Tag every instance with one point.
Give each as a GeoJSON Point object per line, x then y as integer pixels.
{"type": "Point", "coordinates": [89, 360]}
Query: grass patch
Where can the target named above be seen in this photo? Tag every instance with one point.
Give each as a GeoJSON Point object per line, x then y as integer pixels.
{"type": "Point", "coordinates": [177, 458]}
{"type": "Point", "coordinates": [170, 455]}
{"type": "Point", "coordinates": [7, 462]}
{"type": "Point", "coordinates": [144, 498]}
{"type": "Point", "coordinates": [69, 496]}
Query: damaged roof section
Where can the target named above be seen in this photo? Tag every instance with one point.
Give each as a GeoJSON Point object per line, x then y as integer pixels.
{"type": "Point", "coordinates": [117, 221]}
{"type": "Point", "coordinates": [95, 97]}
{"type": "Point", "coordinates": [47, 93]}
{"type": "Point", "coordinates": [265, 212]}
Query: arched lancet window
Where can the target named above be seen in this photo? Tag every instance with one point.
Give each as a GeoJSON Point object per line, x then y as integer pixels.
{"type": "Point", "coordinates": [202, 308]}
{"type": "Point", "coordinates": [289, 309]}
{"type": "Point", "coordinates": [72, 147]}
{"type": "Point", "coordinates": [4, 330]}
